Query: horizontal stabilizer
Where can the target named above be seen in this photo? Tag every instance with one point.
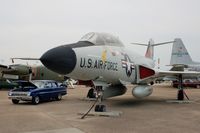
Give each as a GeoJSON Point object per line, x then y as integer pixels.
{"type": "Point", "coordinates": [156, 44]}
{"type": "Point", "coordinates": [150, 47]}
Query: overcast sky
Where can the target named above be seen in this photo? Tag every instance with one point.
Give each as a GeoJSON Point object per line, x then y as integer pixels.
{"type": "Point", "coordinates": [28, 28]}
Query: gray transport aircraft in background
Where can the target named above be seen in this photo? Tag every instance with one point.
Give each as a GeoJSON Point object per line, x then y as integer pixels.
{"type": "Point", "coordinates": [180, 58]}
{"type": "Point", "coordinates": [102, 61]}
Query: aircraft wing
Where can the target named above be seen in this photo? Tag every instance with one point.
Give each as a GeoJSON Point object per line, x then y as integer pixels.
{"type": "Point", "coordinates": [161, 73]}
{"type": "Point", "coordinates": [174, 75]}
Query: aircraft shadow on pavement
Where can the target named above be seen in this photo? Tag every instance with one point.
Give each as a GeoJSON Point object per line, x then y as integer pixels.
{"type": "Point", "coordinates": [136, 102]}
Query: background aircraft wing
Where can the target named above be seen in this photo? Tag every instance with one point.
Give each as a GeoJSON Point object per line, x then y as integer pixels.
{"type": "Point", "coordinates": [15, 69]}
{"type": "Point", "coordinates": [4, 68]}
{"type": "Point", "coordinates": [178, 68]}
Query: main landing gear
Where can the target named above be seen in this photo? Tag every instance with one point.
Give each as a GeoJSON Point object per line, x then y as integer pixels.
{"type": "Point", "coordinates": [97, 93]}
{"type": "Point", "coordinates": [181, 92]}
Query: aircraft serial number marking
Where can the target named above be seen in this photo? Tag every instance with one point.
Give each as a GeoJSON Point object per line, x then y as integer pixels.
{"type": "Point", "coordinates": [98, 64]}
{"type": "Point", "coordinates": [180, 54]}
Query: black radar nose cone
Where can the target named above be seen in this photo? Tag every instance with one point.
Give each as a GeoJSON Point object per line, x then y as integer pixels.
{"type": "Point", "coordinates": [61, 59]}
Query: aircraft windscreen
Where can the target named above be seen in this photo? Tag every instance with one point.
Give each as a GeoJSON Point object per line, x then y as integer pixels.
{"type": "Point", "coordinates": [102, 39]}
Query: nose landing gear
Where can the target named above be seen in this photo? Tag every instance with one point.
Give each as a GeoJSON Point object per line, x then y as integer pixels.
{"type": "Point", "coordinates": [99, 97]}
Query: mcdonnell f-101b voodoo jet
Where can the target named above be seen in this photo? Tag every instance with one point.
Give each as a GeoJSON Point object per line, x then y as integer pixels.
{"type": "Point", "coordinates": [103, 61]}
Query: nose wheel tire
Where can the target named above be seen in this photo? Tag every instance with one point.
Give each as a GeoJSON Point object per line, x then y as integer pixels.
{"type": "Point", "coordinates": [36, 100]}
{"type": "Point", "coordinates": [100, 108]}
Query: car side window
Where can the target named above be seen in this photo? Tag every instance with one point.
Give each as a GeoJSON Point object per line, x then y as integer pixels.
{"type": "Point", "coordinates": [54, 85]}
{"type": "Point", "coordinates": [47, 85]}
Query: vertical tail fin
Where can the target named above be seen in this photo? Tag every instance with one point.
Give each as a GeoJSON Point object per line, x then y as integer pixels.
{"type": "Point", "coordinates": [180, 54]}
{"type": "Point", "coordinates": [150, 50]}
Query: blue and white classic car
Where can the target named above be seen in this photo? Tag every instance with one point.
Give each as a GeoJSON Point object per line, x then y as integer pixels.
{"type": "Point", "coordinates": [37, 91]}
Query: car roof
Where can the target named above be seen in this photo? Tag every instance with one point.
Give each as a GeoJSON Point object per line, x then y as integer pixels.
{"type": "Point", "coordinates": [44, 80]}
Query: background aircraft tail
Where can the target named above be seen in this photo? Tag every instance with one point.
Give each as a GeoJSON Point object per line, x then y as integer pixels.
{"type": "Point", "coordinates": [180, 55]}
{"type": "Point", "coordinates": [150, 47]}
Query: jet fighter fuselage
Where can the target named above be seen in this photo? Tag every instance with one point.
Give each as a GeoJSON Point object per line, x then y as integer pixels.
{"type": "Point", "coordinates": [96, 56]}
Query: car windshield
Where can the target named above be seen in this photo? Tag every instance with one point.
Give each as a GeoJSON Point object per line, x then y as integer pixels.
{"type": "Point", "coordinates": [102, 39]}
{"type": "Point", "coordinates": [40, 84]}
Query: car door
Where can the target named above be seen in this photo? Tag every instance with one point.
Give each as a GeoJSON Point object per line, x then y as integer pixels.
{"type": "Point", "coordinates": [47, 91]}
{"type": "Point", "coordinates": [55, 89]}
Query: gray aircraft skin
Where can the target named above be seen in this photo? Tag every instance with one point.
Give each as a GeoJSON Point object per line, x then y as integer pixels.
{"type": "Point", "coordinates": [181, 57]}
{"type": "Point", "coordinates": [104, 60]}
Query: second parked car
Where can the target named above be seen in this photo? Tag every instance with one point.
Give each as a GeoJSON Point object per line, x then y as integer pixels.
{"type": "Point", "coordinates": [188, 83]}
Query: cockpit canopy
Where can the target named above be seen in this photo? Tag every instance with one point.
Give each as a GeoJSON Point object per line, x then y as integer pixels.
{"type": "Point", "coordinates": [102, 39]}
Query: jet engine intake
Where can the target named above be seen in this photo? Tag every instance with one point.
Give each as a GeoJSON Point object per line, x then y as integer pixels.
{"type": "Point", "coordinates": [142, 91]}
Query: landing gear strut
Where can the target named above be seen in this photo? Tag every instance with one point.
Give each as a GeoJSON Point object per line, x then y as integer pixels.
{"type": "Point", "coordinates": [100, 107]}
{"type": "Point", "coordinates": [180, 95]}
{"type": "Point", "coordinates": [181, 92]}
